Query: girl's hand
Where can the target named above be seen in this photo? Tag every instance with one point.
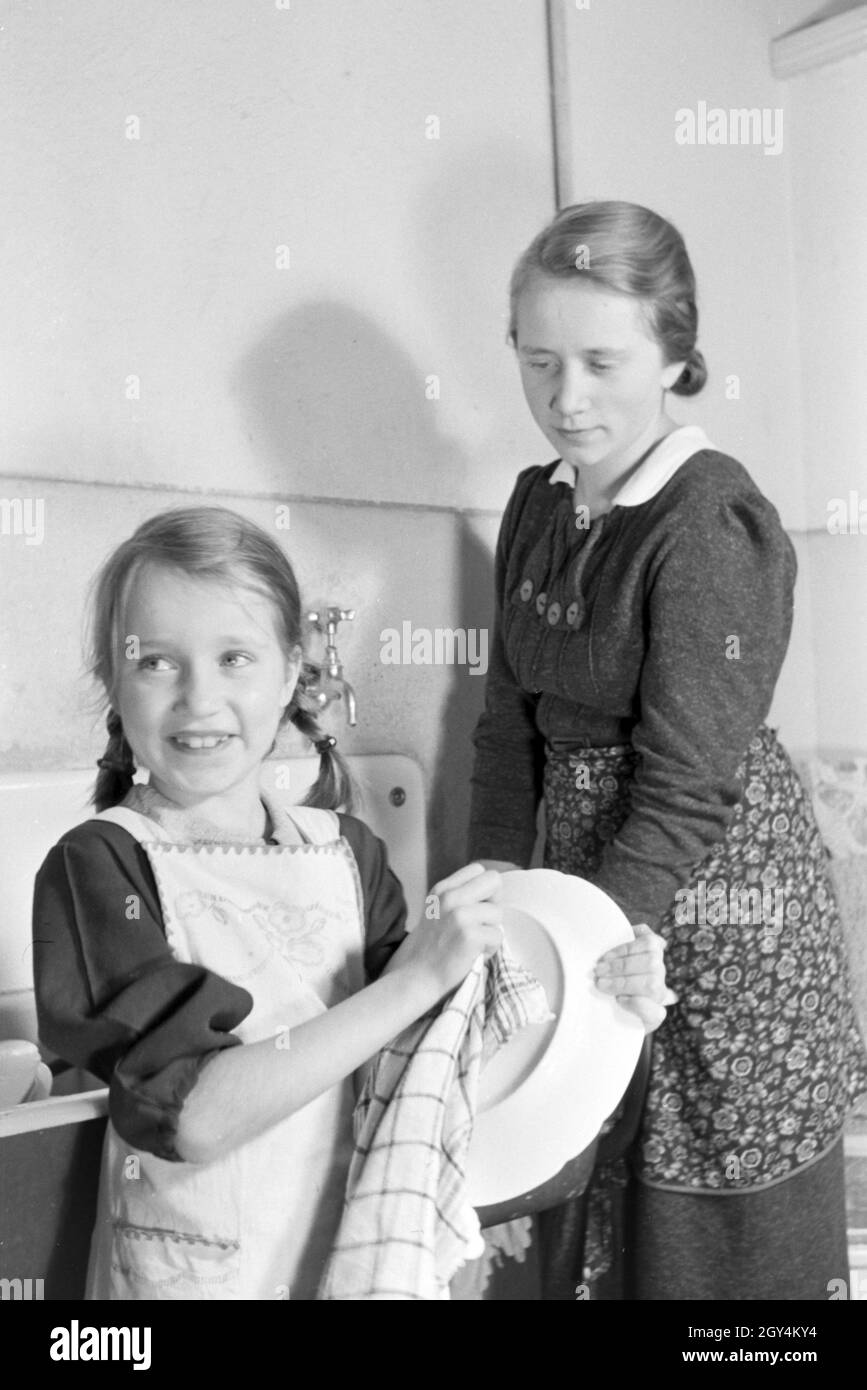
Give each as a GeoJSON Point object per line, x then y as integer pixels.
{"type": "Point", "coordinates": [635, 974]}
{"type": "Point", "coordinates": [443, 948]}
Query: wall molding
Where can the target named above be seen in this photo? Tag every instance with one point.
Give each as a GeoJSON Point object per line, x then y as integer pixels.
{"type": "Point", "coordinates": [25, 484]}
{"type": "Point", "coordinates": [820, 44]}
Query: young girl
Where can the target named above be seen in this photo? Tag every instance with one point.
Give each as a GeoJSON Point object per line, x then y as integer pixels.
{"type": "Point", "coordinates": [222, 963]}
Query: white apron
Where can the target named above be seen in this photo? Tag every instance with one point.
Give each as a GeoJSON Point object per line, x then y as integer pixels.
{"type": "Point", "coordinates": [285, 922]}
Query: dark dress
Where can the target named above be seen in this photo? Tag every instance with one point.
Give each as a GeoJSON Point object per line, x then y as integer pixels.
{"type": "Point", "coordinates": [632, 669]}
{"type": "Point", "coordinates": [112, 998]}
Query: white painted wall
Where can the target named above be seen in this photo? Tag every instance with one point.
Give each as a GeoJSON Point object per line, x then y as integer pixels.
{"type": "Point", "coordinates": [828, 121]}
{"type": "Point", "coordinates": [262, 127]}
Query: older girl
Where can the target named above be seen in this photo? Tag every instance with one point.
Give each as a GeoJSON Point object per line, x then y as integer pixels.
{"type": "Point", "coordinates": [644, 603]}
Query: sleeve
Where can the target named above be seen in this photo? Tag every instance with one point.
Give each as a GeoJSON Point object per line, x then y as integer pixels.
{"type": "Point", "coordinates": [111, 997]}
{"type": "Point", "coordinates": [718, 618]}
{"type": "Point", "coordinates": [384, 903]}
{"type": "Point", "coordinates": [509, 759]}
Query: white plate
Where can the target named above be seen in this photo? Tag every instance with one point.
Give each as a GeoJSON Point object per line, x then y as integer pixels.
{"type": "Point", "coordinates": [544, 1096]}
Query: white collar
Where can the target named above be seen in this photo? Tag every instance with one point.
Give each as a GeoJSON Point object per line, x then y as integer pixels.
{"type": "Point", "coordinates": [652, 475]}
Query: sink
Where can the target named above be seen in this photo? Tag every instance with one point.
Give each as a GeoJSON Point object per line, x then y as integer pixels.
{"type": "Point", "coordinates": [76, 1096]}
{"type": "Point", "coordinates": [50, 1158]}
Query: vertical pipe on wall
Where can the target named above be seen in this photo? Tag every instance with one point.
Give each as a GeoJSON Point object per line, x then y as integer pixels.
{"type": "Point", "coordinates": [561, 122]}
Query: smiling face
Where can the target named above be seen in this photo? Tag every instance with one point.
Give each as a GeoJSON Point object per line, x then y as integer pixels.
{"type": "Point", "coordinates": [202, 693]}
{"type": "Point", "coordinates": [592, 373]}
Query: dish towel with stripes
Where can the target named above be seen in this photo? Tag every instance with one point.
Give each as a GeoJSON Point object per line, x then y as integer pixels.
{"type": "Point", "coordinates": [407, 1227]}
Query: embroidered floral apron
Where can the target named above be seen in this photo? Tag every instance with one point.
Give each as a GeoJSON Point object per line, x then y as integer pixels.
{"type": "Point", "coordinates": [284, 922]}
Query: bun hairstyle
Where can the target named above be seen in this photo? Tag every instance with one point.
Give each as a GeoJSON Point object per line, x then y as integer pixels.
{"type": "Point", "coordinates": [210, 543]}
{"type": "Point", "coordinates": [628, 249]}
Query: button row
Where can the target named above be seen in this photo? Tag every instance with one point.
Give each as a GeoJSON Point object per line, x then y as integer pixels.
{"type": "Point", "coordinates": [553, 610]}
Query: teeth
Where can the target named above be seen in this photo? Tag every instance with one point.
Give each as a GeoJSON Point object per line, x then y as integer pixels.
{"type": "Point", "coordinates": [193, 742]}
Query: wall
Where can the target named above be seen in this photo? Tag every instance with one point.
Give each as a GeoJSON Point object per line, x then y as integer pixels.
{"type": "Point", "coordinates": [828, 117]}
{"type": "Point", "coordinates": [158, 344]}
{"type": "Point", "coordinates": [262, 128]}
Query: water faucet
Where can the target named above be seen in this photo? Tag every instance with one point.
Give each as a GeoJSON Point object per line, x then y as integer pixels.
{"type": "Point", "coordinates": [333, 685]}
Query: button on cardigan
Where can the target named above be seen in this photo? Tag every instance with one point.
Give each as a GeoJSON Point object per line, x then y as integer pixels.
{"type": "Point", "coordinates": [664, 626]}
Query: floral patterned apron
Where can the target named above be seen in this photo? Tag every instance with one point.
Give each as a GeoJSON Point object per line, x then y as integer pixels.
{"type": "Point", "coordinates": [284, 922]}
{"type": "Point", "coordinates": [754, 1069]}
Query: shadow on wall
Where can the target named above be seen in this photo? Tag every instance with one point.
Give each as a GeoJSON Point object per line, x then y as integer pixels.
{"type": "Point", "coordinates": [325, 384]}
{"type": "Point", "coordinates": [481, 210]}
{"type": "Point", "coordinates": [828, 11]}
{"type": "Point", "coordinates": [478, 214]}
{"type": "Point", "coordinates": [339, 407]}
{"type": "Point", "coordinates": [449, 808]}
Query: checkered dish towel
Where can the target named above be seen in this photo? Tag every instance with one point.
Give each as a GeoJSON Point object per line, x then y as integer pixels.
{"type": "Point", "coordinates": [406, 1226]}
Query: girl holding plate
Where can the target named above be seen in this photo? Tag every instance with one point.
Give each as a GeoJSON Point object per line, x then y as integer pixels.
{"type": "Point", "coordinates": [644, 604]}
